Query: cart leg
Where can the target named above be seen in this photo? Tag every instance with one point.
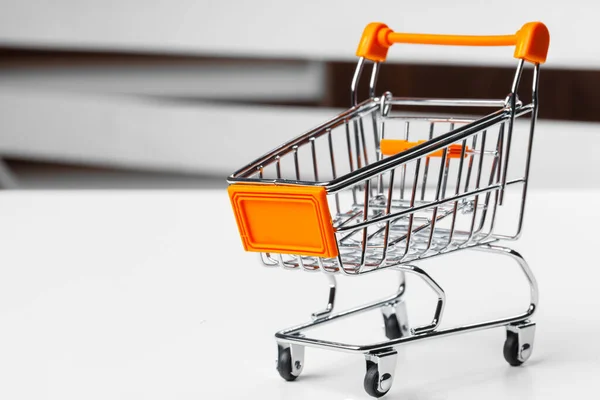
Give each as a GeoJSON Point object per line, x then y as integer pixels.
{"type": "Point", "coordinates": [330, 301]}
{"type": "Point", "coordinates": [519, 334]}
{"type": "Point", "coordinates": [380, 372]}
{"type": "Point", "coordinates": [395, 315]}
{"type": "Point", "coordinates": [437, 289]}
{"type": "Point", "coordinates": [533, 288]}
{"type": "Point", "coordinates": [290, 360]}
{"type": "Point", "coordinates": [519, 342]}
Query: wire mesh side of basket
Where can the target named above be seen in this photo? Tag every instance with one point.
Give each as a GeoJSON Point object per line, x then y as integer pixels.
{"type": "Point", "coordinates": [388, 210]}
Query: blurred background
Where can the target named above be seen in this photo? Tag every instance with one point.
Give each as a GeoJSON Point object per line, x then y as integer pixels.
{"type": "Point", "coordinates": [179, 94]}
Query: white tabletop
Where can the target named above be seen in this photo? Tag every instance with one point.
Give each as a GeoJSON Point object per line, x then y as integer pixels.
{"type": "Point", "coordinates": [149, 295]}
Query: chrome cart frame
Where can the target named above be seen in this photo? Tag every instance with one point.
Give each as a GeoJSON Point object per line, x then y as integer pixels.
{"type": "Point", "coordinates": [382, 356]}
{"type": "Point", "coordinates": [393, 204]}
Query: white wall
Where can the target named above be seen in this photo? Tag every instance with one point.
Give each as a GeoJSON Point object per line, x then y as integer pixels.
{"type": "Point", "coordinates": [315, 28]}
{"type": "Point", "coordinates": [221, 139]}
{"type": "Point", "coordinates": [44, 117]}
{"type": "Point", "coordinates": [252, 80]}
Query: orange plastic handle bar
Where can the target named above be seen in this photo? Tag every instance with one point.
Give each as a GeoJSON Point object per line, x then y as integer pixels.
{"type": "Point", "coordinates": [531, 41]}
{"type": "Point", "coordinates": [390, 147]}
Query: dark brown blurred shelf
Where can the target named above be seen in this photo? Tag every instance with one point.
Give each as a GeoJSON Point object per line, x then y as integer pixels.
{"type": "Point", "coordinates": [565, 94]}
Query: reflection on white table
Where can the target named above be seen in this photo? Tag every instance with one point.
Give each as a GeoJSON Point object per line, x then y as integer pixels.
{"type": "Point", "coordinates": [149, 295]}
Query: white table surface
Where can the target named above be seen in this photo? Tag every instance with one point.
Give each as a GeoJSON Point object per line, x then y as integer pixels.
{"type": "Point", "coordinates": [149, 295]}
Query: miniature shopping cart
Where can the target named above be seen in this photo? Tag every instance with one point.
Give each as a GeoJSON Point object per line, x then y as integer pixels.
{"type": "Point", "coordinates": [383, 187]}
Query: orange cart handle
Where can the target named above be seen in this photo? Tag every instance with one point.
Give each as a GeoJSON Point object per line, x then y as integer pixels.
{"type": "Point", "coordinates": [531, 41]}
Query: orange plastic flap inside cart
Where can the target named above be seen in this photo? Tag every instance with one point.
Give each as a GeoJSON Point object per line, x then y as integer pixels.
{"type": "Point", "coordinates": [284, 219]}
{"type": "Point", "coordinates": [390, 147]}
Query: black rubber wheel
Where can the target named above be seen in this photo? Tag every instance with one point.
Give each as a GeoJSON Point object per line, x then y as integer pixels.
{"type": "Point", "coordinates": [392, 327]}
{"type": "Point", "coordinates": [371, 381]}
{"type": "Point", "coordinates": [284, 364]}
{"type": "Point", "coordinates": [511, 349]}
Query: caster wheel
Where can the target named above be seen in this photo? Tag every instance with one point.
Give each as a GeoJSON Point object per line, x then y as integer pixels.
{"type": "Point", "coordinates": [290, 361]}
{"type": "Point", "coordinates": [284, 364]}
{"type": "Point", "coordinates": [372, 381]}
{"type": "Point", "coordinates": [395, 320]}
{"type": "Point", "coordinates": [511, 349]}
{"type": "Point", "coordinates": [392, 327]}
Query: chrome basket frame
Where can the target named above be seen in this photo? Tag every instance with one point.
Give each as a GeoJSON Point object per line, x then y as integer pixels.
{"type": "Point", "coordinates": [378, 231]}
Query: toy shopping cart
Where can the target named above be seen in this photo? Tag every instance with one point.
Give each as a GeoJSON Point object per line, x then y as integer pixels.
{"type": "Point", "coordinates": [378, 187]}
